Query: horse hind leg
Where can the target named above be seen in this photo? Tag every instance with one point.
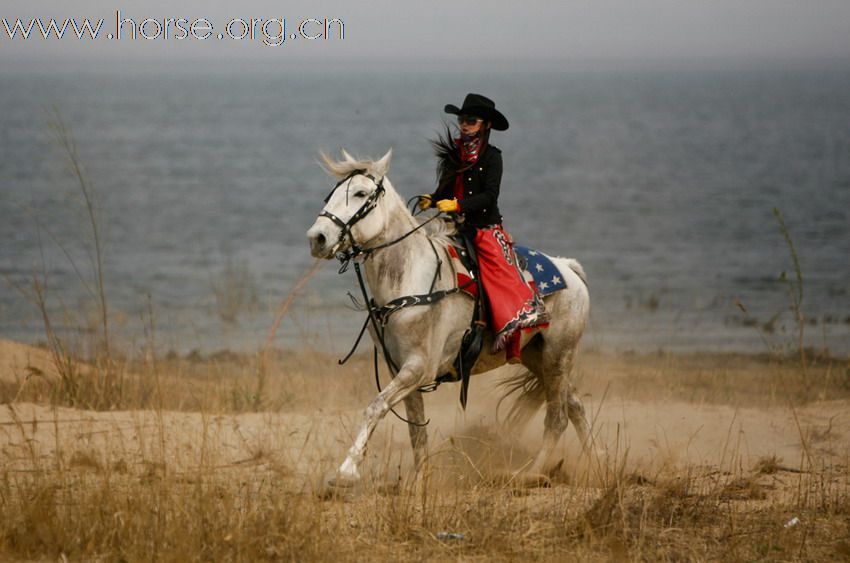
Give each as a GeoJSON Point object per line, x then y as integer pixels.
{"type": "Point", "coordinates": [554, 424]}
{"type": "Point", "coordinates": [577, 415]}
{"type": "Point", "coordinates": [562, 405]}
{"type": "Point", "coordinates": [552, 376]}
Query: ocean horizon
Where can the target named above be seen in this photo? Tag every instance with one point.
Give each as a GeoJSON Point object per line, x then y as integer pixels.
{"type": "Point", "coordinates": [661, 181]}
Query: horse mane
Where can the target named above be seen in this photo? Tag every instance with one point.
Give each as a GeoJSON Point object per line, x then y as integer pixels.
{"type": "Point", "coordinates": [440, 230]}
{"type": "Point", "coordinates": [342, 168]}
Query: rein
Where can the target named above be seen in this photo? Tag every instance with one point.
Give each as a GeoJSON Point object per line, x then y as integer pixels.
{"type": "Point", "coordinates": [379, 316]}
{"type": "Point", "coordinates": [368, 206]}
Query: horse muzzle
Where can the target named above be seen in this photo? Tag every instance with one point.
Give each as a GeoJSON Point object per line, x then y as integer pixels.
{"type": "Point", "coordinates": [322, 243]}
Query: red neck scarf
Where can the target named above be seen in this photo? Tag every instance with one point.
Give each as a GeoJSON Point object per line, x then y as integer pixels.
{"type": "Point", "coordinates": [470, 150]}
{"type": "Point", "coordinates": [469, 147]}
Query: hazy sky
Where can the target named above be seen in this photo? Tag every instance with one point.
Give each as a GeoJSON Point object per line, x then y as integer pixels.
{"type": "Point", "coordinates": [468, 30]}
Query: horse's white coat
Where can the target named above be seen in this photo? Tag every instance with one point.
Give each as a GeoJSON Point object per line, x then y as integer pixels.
{"type": "Point", "coordinates": [424, 340]}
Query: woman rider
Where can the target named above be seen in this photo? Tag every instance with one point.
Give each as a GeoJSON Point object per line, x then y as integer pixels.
{"type": "Point", "coordinates": [469, 172]}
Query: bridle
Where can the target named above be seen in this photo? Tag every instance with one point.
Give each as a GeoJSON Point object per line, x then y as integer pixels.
{"type": "Point", "coordinates": [368, 206]}
{"type": "Point", "coordinates": [378, 316]}
{"type": "Point", "coordinates": [345, 226]}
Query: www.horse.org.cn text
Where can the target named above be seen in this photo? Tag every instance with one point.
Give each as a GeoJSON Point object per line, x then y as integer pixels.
{"type": "Point", "coordinates": [272, 32]}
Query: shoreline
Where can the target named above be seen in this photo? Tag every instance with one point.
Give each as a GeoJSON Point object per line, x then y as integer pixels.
{"type": "Point", "coordinates": [235, 382]}
{"type": "Point", "coordinates": [196, 355]}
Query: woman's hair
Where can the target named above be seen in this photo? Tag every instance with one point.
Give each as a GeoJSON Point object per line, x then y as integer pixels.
{"type": "Point", "coordinates": [448, 157]}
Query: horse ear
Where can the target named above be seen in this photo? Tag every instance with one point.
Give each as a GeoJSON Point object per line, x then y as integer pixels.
{"type": "Point", "coordinates": [383, 165]}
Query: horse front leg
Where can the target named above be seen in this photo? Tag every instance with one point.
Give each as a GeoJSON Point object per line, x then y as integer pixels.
{"type": "Point", "coordinates": [415, 408]}
{"type": "Point", "coordinates": [405, 383]}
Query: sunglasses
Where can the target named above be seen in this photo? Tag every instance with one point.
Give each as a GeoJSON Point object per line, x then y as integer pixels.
{"type": "Point", "coordinates": [468, 119]}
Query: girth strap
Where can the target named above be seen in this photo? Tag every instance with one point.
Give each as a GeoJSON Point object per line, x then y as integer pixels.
{"type": "Point", "coordinates": [382, 314]}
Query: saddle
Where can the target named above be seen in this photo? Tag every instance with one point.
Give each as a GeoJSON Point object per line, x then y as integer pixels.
{"type": "Point", "coordinates": [465, 265]}
{"type": "Point", "coordinates": [539, 272]}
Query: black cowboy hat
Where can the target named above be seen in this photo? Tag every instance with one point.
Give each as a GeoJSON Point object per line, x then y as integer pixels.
{"type": "Point", "coordinates": [480, 106]}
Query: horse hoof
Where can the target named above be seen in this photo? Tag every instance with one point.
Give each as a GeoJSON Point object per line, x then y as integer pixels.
{"type": "Point", "coordinates": [518, 481]}
{"type": "Point", "coordinates": [388, 489]}
{"type": "Point", "coordinates": [344, 482]}
{"type": "Point", "coordinates": [532, 481]}
{"type": "Point", "coordinates": [337, 487]}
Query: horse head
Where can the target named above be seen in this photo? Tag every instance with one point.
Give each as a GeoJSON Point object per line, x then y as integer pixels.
{"type": "Point", "coordinates": [355, 212]}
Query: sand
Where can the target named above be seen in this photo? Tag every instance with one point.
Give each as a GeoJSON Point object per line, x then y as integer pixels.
{"type": "Point", "coordinates": [699, 457]}
{"type": "Point", "coordinates": [657, 434]}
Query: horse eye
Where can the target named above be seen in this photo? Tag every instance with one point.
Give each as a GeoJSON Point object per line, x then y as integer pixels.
{"type": "Point", "coordinates": [361, 193]}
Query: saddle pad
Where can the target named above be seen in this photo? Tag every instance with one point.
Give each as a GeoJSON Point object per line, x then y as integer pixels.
{"type": "Point", "coordinates": [540, 270]}
{"type": "Point", "coordinates": [465, 278]}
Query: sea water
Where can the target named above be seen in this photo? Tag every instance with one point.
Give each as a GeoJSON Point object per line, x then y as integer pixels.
{"type": "Point", "coordinates": [661, 182]}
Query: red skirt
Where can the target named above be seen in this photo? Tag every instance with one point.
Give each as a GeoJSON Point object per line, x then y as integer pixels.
{"type": "Point", "coordinates": [513, 304]}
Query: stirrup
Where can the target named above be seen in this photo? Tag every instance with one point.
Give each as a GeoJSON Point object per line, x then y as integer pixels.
{"type": "Point", "coordinates": [430, 388]}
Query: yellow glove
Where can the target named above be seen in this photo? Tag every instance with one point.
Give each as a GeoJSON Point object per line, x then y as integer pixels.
{"type": "Point", "coordinates": [448, 206]}
{"type": "Point", "coordinates": [424, 202]}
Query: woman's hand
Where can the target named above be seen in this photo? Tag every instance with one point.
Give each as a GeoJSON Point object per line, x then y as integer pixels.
{"type": "Point", "coordinates": [448, 206]}
{"type": "Point", "coordinates": [425, 202]}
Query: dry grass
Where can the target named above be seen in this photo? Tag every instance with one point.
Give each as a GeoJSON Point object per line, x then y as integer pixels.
{"type": "Point", "coordinates": [218, 382]}
{"type": "Point", "coordinates": [737, 379]}
{"type": "Point", "coordinates": [185, 472]}
{"type": "Point", "coordinates": [224, 457]}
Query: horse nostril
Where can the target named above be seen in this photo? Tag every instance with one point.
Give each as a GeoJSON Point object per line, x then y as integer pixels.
{"type": "Point", "coordinates": [320, 240]}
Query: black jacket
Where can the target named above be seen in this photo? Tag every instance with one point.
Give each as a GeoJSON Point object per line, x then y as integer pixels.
{"type": "Point", "coordinates": [479, 205]}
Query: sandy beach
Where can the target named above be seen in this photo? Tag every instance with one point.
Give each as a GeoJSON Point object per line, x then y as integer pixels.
{"type": "Point", "coordinates": [705, 457]}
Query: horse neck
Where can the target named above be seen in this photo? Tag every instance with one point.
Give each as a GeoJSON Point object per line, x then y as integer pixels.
{"type": "Point", "coordinates": [398, 218]}
{"type": "Point", "coordinates": [404, 268]}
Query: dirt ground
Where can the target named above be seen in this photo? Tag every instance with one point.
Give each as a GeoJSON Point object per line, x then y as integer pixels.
{"type": "Point", "coordinates": [701, 458]}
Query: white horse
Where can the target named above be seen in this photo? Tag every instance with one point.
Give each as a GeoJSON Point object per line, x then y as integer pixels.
{"type": "Point", "coordinates": [365, 210]}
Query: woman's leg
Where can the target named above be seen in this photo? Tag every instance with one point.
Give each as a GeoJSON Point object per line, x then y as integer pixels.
{"type": "Point", "coordinates": [513, 304]}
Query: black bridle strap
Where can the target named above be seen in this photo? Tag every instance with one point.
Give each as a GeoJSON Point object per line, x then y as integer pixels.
{"type": "Point", "coordinates": [378, 383]}
{"type": "Point", "coordinates": [350, 175]}
{"type": "Point", "coordinates": [373, 311]}
{"type": "Point", "coordinates": [383, 313]}
{"type": "Point", "coordinates": [372, 249]}
{"type": "Point", "coordinates": [356, 342]}
{"type": "Point", "coordinates": [367, 207]}
{"type": "Point", "coordinates": [379, 334]}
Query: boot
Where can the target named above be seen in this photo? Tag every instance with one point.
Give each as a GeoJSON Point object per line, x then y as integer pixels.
{"type": "Point", "coordinates": [513, 352]}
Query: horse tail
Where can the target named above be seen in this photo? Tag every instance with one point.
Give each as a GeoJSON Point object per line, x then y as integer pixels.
{"type": "Point", "coordinates": [531, 396]}
{"type": "Point", "coordinates": [577, 268]}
